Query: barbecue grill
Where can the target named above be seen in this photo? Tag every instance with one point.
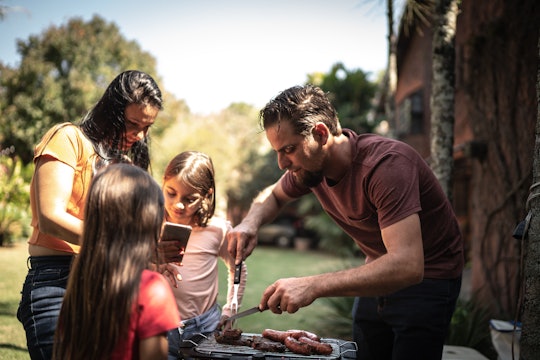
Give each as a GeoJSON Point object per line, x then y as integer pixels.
{"type": "Point", "coordinates": [200, 346]}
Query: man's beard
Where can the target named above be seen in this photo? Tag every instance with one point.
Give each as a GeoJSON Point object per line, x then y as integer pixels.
{"type": "Point", "coordinates": [309, 178]}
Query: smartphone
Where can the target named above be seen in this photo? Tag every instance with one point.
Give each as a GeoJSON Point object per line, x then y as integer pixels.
{"type": "Point", "coordinates": [176, 232]}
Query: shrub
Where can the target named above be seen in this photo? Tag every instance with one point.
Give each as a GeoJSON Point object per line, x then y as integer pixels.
{"type": "Point", "coordinates": [469, 327]}
{"type": "Point", "coordinates": [15, 200]}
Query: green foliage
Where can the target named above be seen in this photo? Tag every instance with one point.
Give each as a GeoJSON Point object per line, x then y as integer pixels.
{"type": "Point", "coordinates": [469, 327]}
{"type": "Point", "coordinates": [337, 316]}
{"type": "Point", "coordinates": [62, 73]}
{"type": "Point", "coordinates": [231, 138]}
{"type": "Point", "coordinates": [259, 171]}
{"type": "Point", "coordinates": [14, 203]}
{"type": "Point", "coordinates": [351, 93]}
{"type": "Point", "coordinates": [339, 320]}
{"type": "Point", "coordinates": [173, 111]}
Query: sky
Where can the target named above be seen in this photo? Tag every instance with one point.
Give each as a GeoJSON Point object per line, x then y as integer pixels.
{"type": "Point", "coordinates": [211, 53]}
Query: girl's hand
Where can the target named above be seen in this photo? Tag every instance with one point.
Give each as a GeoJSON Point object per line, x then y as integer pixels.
{"type": "Point", "coordinates": [222, 323]}
{"type": "Point", "coordinates": [171, 273]}
{"type": "Point", "coordinates": [170, 251]}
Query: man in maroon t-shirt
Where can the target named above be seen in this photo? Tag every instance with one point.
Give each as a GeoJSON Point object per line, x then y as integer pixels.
{"type": "Point", "coordinates": [382, 194]}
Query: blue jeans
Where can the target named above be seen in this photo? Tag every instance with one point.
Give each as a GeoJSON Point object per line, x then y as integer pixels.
{"type": "Point", "coordinates": [204, 324]}
{"type": "Point", "coordinates": [41, 300]}
{"type": "Point", "coordinates": [409, 324]}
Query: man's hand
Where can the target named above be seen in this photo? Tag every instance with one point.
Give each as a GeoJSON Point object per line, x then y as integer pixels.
{"type": "Point", "coordinates": [241, 242]}
{"type": "Point", "coordinates": [243, 238]}
{"type": "Point", "coordinates": [288, 295]}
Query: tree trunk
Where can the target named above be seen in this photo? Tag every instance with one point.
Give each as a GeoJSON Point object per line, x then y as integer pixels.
{"type": "Point", "coordinates": [391, 72]}
{"type": "Point", "coordinates": [530, 338]}
{"type": "Point", "coordinates": [442, 93]}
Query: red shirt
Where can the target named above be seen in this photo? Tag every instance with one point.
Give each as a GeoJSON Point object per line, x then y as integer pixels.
{"type": "Point", "coordinates": [156, 313]}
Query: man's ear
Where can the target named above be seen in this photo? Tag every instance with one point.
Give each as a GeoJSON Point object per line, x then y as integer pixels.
{"type": "Point", "coordinates": [321, 133]}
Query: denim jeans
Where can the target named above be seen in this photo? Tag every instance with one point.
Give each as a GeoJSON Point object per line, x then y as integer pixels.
{"type": "Point", "coordinates": [409, 324]}
{"type": "Point", "coordinates": [203, 324]}
{"type": "Point", "coordinates": [41, 300]}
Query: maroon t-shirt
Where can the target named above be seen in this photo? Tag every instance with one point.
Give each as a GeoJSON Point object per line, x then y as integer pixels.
{"type": "Point", "coordinates": [388, 181]}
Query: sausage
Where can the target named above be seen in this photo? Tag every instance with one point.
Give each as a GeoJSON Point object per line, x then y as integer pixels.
{"type": "Point", "coordinates": [297, 334]}
{"type": "Point", "coordinates": [296, 346]}
{"type": "Point", "coordinates": [264, 344]}
{"type": "Point", "coordinates": [275, 335]}
{"type": "Point", "coordinates": [317, 347]}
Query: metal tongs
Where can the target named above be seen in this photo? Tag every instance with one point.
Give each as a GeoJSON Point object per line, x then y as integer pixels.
{"type": "Point", "coordinates": [234, 301]}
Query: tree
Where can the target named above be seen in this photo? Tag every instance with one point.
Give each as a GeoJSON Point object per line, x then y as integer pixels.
{"type": "Point", "coordinates": [15, 199]}
{"type": "Point", "coordinates": [62, 73]}
{"type": "Point", "coordinates": [530, 338]}
{"type": "Point", "coordinates": [232, 139]}
{"type": "Point", "coordinates": [390, 80]}
{"type": "Point", "coordinates": [442, 93]}
{"type": "Point", "coordinates": [351, 92]}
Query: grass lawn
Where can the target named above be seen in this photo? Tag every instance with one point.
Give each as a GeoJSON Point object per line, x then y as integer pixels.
{"type": "Point", "coordinates": [12, 338]}
{"type": "Point", "coordinates": [268, 264]}
{"type": "Point", "coordinates": [265, 265]}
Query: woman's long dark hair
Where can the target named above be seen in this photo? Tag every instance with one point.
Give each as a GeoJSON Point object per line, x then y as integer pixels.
{"type": "Point", "coordinates": [123, 217]}
{"type": "Point", "coordinates": [105, 123]}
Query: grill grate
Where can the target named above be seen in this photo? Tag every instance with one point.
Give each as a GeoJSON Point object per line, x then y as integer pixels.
{"type": "Point", "coordinates": [201, 346]}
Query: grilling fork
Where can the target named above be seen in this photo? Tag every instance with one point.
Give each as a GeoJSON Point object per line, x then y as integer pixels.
{"type": "Point", "coordinates": [234, 301]}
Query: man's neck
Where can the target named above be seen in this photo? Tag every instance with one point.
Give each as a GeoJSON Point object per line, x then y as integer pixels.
{"type": "Point", "coordinates": [339, 159]}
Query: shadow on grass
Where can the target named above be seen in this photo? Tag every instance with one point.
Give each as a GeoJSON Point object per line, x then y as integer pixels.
{"type": "Point", "coordinates": [13, 347]}
{"type": "Point", "coordinates": [8, 308]}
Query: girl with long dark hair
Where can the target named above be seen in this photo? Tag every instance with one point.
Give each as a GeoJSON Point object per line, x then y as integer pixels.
{"type": "Point", "coordinates": [114, 307]}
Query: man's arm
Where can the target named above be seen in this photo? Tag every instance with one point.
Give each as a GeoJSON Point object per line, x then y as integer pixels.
{"type": "Point", "coordinates": [401, 266]}
{"type": "Point", "coordinates": [265, 207]}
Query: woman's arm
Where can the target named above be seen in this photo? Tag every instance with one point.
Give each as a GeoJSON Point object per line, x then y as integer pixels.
{"type": "Point", "coordinates": [53, 184]}
{"type": "Point", "coordinates": [155, 347]}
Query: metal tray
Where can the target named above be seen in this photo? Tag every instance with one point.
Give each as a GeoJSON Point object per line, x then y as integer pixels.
{"type": "Point", "coordinates": [201, 346]}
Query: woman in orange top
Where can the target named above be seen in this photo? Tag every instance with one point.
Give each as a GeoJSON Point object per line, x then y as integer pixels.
{"type": "Point", "coordinates": [115, 130]}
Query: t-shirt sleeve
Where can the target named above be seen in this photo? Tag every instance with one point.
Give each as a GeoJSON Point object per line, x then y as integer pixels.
{"type": "Point", "coordinates": [62, 142]}
{"type": "Point", "coordinates": [157, 306]}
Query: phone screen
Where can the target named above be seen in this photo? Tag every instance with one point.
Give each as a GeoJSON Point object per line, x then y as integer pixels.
{"type": "Point", "coordinates": [176, 232]}
{"type": "Point", "coordinates": [174, 239]}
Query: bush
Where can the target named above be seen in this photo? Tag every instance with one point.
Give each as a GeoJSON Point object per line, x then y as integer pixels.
{"type": "Point", "coordinates": [339, 321]}
{"type": "Point", "coordinates": [338, 318]}
{"type": "Point", "coordinates": [15, 202]}
{"type": "Point", "coordinates": [469, 327]}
